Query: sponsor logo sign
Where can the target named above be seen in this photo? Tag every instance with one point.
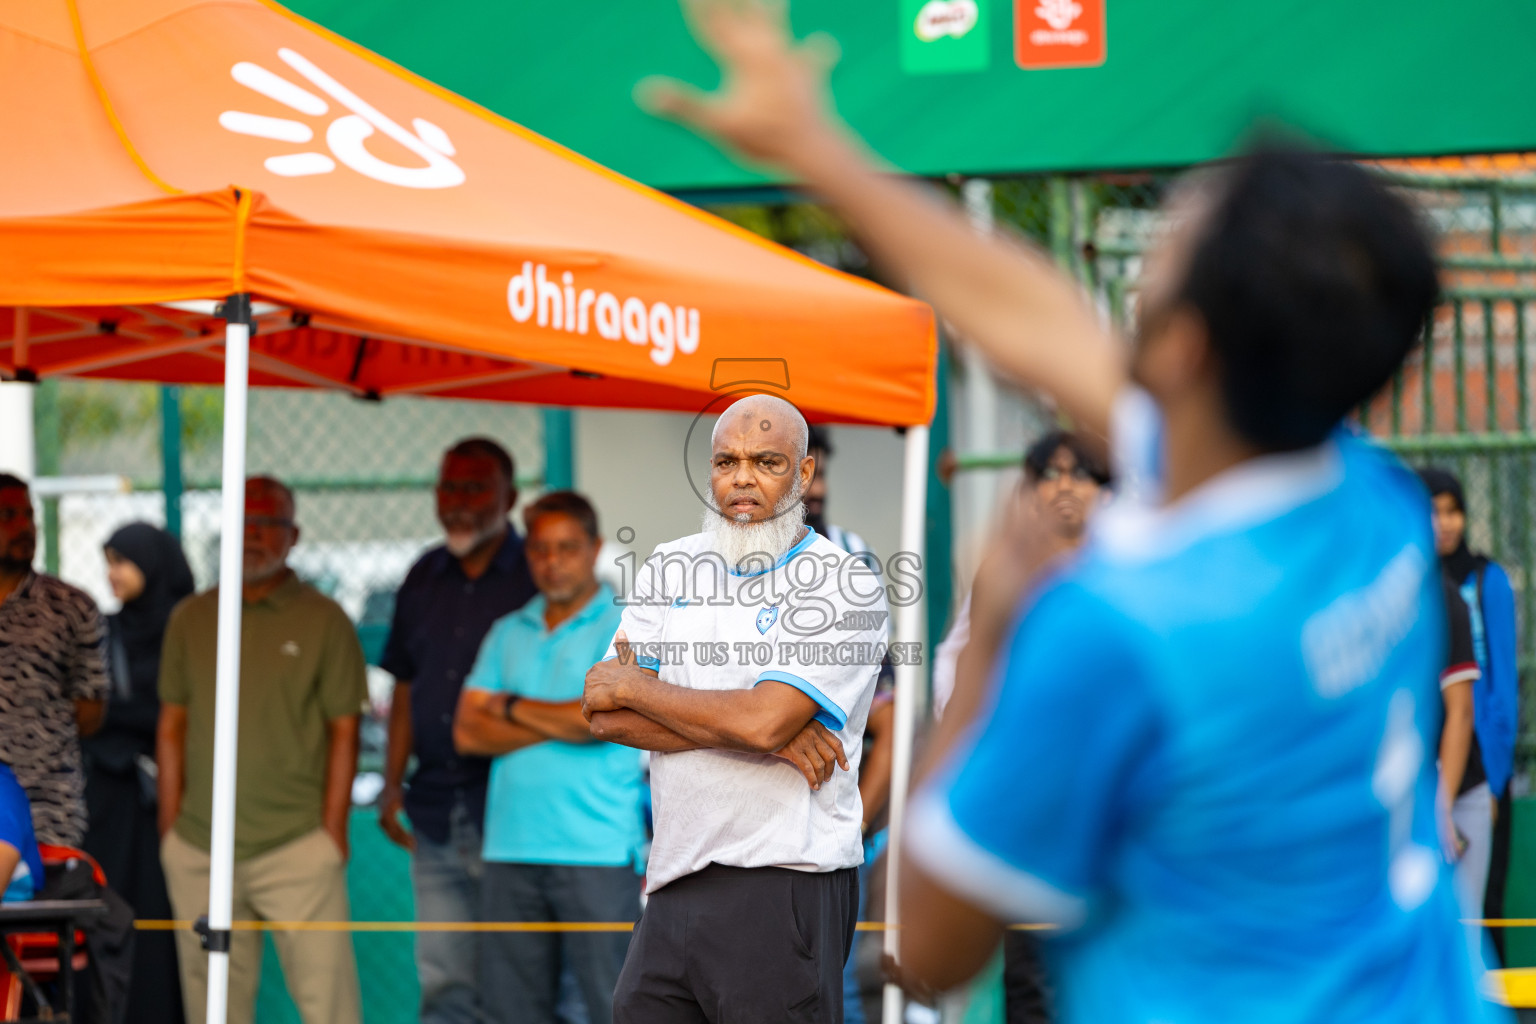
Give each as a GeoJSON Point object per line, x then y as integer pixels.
{"type": "Point", "coordinates": [944, 36]}
{"type": "Point", "coordinates": [346, 136]}
{"type": "Point", "coordinates": [1059, 33]}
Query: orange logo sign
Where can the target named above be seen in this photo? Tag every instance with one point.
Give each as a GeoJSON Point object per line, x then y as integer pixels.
{"type": "Point", "coordinates": [1058, 33]}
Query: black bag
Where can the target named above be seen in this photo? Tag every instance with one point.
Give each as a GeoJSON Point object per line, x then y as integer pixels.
{"type": "Point", "coordinates": [101, 990]}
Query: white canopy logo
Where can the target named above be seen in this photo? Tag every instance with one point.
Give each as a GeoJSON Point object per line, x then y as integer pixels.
{"type": "Point", "coordinates": [1059, 14]}
{"type": "Point", "coordinates": [346, 136]}
{"type": "Point", "coordinates": [940, 18]}
{"type": "Point", "coordinates": [561, 306]}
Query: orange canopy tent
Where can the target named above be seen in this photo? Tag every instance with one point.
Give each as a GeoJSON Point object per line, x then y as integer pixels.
{"type": "Point", "coordinates": [370, 232]}
{"type": "Point", "coordinates": [414, 243]}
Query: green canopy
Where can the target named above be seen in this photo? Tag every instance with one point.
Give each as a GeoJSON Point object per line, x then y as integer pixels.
{"type": "Point", "coordinates": [1180, 82]}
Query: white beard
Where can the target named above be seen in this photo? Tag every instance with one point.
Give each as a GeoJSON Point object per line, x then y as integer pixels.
{"type": "Point", "coordinates": [462, 542]}
{"type": "Point", "coordinates": [752, 547]}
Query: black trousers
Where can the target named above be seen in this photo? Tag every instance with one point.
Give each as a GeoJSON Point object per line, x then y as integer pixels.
{"type": "Point", "coordinates": [1498, 870]}
{"type": "Point", "coordinates": [520, 971]}
{"type": "Point", "coordinates": [1026, 986]}
{"type": "Point", "coordinates": [125, 841]}
{"type": "Point", "coordinates": [741, 946]}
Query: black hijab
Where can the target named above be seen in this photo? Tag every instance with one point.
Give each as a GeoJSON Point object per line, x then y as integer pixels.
{"type": "Point", "coordinates": [139, 627]}
{"type": "Point", "coordinates": [134, 635]}
{"type": "Point", "coordinates": [1461, 563]}
{"type": "Point", "coordinates": [167, 579]}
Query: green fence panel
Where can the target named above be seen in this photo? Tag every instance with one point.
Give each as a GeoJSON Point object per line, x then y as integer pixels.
{"type": "Point", "coordinates": [1520, 896]}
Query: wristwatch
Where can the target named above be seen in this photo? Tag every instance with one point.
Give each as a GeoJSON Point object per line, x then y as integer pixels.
{"type": "Point", "coordinates": [506, 709]}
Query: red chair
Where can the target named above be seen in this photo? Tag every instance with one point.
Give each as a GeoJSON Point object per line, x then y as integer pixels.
{"type": "Point", "coordinates": [38, 952]}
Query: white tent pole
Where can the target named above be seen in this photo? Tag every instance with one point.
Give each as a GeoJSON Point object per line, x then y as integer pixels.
{"type": "Point", "coordinates": [226, 719]}
{"type": "Point", "coordinates": [909, 678]}
{"type": "Point", "coordinates": [980, 423]}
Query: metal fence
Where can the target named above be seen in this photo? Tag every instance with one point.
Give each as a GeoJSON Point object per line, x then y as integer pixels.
{"type": "Point", "coordinates": [362, 473]}
{"type": "Point", "coordinates": [1464, 398]}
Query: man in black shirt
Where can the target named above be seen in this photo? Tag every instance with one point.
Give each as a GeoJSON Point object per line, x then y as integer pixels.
{"type": "Point", "coordinates": [443, 610]}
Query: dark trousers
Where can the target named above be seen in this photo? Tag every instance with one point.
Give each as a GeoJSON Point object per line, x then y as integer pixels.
{"type": "Point", "coordinates": [125, 841]}
{"type": "Point", "coordinates": [1498, 870]}
{"type": "Point", "coordinates": [520, 971]}
{"type": "Point", "coordinates": [741, 946]}
{"type": "Point", "coordinates": [1026, 986]}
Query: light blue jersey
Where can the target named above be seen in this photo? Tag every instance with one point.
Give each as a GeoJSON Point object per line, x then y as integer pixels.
{"type": "Point", "coordinates": [1211, 758]}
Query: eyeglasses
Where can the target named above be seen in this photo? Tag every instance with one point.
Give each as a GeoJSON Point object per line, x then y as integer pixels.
{"type": "Point", "coordinates": [268, 523]}
{"type": "Point", "coordinates": [1078, 473]}
{"type": "Point", "coordinates": [466, 488]}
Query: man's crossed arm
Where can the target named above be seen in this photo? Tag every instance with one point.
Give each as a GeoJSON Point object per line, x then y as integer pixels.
{"type": "Point", "coordinates": [627, 704]}
{"type": "Point", "coordinates": [490, 724]}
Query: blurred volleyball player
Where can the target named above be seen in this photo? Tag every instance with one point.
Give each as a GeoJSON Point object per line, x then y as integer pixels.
{"type": "Point", "coordinates": [1208, 754]}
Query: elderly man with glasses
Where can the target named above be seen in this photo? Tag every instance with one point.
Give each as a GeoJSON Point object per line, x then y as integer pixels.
{"type": "Point", "coordinates": [302, 688]}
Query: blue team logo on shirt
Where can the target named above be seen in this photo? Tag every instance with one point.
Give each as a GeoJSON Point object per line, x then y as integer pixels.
{"type": "Point", "coordinates": [766, 618]}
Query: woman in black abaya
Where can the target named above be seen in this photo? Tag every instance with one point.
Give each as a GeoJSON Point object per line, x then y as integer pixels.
{"type": "Point", "coordinates": [149, 575]}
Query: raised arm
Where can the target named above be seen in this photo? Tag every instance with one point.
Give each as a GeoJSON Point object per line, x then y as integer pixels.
{"type": "Point", "coordinates": [948, 937]}
{"type": "Point", "coordinates": [1026, 317]}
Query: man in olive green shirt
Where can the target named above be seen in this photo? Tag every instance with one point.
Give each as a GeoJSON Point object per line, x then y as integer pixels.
{"type": "Point", "coordinates": [302, 687]}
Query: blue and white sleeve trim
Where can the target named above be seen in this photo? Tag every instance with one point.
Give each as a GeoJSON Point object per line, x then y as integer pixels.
{"type": "Point", "coordinates": [830, 714]}
{"type": "Point", "coordinates": [956, 861]}
{"type": "Point", "coordinates": [654, 664]}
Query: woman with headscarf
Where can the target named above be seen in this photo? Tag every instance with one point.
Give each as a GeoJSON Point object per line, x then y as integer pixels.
{"type": "Point", "coordinates": [1485, 587]}
{"type": "Point", "coordinates": [149, 575]}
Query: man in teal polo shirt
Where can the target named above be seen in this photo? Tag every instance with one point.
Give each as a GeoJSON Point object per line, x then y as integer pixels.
{"type": "Point", "coordinates": [563, 825]}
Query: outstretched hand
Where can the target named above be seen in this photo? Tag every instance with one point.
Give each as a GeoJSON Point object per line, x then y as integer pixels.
{"type": "Point", "coordinates": [815, 752]}
{"type": "Point", "coordinates": [772, 102]}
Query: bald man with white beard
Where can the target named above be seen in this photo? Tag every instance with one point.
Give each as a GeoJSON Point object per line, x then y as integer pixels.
{"type": "Point", "coordinates": [739, 664]}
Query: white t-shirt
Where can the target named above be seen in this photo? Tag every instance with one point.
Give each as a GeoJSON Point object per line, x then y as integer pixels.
{"type": "Point", "coordinates": [947, 658]}
{"type": "Point", "coordinates": [816, 620]}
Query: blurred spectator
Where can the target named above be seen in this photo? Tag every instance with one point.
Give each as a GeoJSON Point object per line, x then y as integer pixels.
{"type": "Point", "coordinates": [21, 865]}
{"type": "Point", "coordinates": [819, 447]}
{"type": "Point", "coordinates": [302, 688]}
{"type": "Point", "coordinates": [875, 765]}
{"type": "Point", "coordinates": [445, 606]}
{"type": "Point", "coordinates": [1065, 480]}
{"type": "Point", "coordinates": [563, 826]}
{"type": "Point", "coordinates": [1490, 600]}
{"type": "Point", "coordinates": [53, 675]}
{"type": "Point", "coordinates": [150, 576]}
{"type": "Point", "coordinates": [1465, 826]}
